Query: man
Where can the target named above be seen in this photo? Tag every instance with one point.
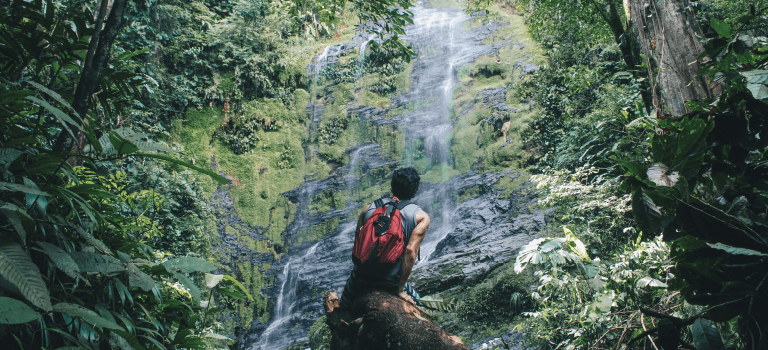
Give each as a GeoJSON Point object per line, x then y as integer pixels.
{"type": "Point", "coordinates": [415, 222]}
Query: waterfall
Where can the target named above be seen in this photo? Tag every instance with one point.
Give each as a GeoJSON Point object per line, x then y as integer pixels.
{"type": "Point", "coordinates": [361, 56]}
{"type": "Point", "coordinates": [287, 313]}
{"type": "Point", "coordinates": [320, 60]}
{"type": "Point", "coordinates": [275, 337]}
{"type": "Point", "coordinates": [444, 45]}
{"type": "Point", "coordinates": [436, 30]}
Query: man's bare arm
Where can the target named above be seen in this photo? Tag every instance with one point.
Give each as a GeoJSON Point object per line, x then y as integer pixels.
{"type": "Point", "coordinates": [412, 249]}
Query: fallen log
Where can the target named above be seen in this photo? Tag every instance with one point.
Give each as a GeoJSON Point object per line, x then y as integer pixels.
{"type": "Point", "coordinates": [380, 320]}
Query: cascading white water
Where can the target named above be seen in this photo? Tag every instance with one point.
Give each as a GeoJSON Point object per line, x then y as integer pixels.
{"type": "Point", "coordinates": [443, 43]}
{"type": "Point", "coordinates": [351, 178]}
{"type": "Point", "coordinates": [286, 302]}
{"type": "Point", "coordinates": [433, 37]}
{"type": "Point", "coordinates": [280, 332]}
{"type": "Point", "coordinates": [361, 56]}
{"type": "Point", "coordinates": [321, 60]}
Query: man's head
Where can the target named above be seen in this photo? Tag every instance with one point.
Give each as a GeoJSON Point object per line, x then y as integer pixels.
{"type": "Point", "coordinates": [405, 183]}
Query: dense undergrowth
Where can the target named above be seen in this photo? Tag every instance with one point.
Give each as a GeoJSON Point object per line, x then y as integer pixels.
{"type": "Point", "coordinates": [660, 220]}
{"type": "Point", "coordinates": [106, 237]}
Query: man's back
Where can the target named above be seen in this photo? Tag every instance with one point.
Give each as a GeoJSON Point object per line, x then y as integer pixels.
{"type": "Point", "coordinates": [415, 222]}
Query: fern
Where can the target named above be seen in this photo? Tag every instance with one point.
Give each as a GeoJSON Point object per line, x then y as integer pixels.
{"type": "Point", "coordinates": [438, 304]}
{"type": "Point", "coordinates": [17, 267]}
{"type": "Point", "coordinates": [13, 311]}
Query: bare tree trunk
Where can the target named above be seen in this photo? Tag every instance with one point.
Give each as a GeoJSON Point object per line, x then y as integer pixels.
{"type": "Point", "coordinates": [666, 30]}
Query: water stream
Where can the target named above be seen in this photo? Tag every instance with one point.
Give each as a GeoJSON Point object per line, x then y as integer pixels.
{"type": "Point", "coordinates": [444, 44]}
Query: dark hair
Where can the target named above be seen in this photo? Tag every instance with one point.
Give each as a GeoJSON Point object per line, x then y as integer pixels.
{"type": "Point", "coordinates": [405, 183]}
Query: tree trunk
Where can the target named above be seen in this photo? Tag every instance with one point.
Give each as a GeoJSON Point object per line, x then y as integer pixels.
{"type": "Point", "coordinates": [666, 30]}
{"type": "Point", "coordinates": [382, 321]}
{"type": "Point", "coordinates": [97, 59]}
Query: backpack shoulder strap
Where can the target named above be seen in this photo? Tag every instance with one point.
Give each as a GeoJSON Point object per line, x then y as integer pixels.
{"type": "Point", "coordinates": [402, 204]}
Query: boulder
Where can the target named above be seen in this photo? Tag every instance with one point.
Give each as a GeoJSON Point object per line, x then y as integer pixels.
{"type": "Point", "coordinates": [380, 320]}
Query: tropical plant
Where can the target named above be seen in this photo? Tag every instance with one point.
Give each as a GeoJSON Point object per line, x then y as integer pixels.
{"type": "Point", "coordinates": [703, 187]}
{"type": "Point", "coordinates": [76, 270]}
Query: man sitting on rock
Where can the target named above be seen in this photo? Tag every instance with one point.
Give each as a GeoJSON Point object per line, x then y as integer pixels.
{"type": "Point", "coordinates": [369, 271]}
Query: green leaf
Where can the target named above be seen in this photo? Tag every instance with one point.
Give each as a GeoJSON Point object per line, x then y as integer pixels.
{"type": "Point", "coordinates": [61, 117]}
{"type": "Point", "coordinates": [13, 311]}
{"type": "Point", "coordinates": [61, 259]}
{"type": "Point", "coordinates": [239, 285]}
{"type": "Point", "coordinates": [438, 304]}
{"type": "Point", "coordinates": [7, 186]}
{"type": "Point", "coordinates": [93, 241]}
{"type": "Point", "coordinates": [52, 94]}
{"type": "Point", "coordinates": [193, 290]}
{"type": "Point", "coordinates": [756, 76]}
{"type": "Point", "coordinates": [218, 178]}
{"type": "Point", "coordinates": [736, 250]}
{"type": "Point", "coordinates": [189, 264]}
{"type": "Point", "coordinates": [17, 267]}
{"type": "Point", "coordinates": [95, 262]}
{"type": "Point", "coordinates": [225, 291]}
{"type": "Point", "coordinates": [8, 155]}
{"type": "Point", "coordinates": [139, 279]}
{"type": "Point", "coordinates": [87, 315]}
{"type": "Point", "coordinates": [650, 282]}
{"type": "Point", "coordinates": [12, 212]}
{"type": "Point", "coordinates": [130, 338]}
{"type": "Point", "coordinates": [706, 336]}
{"type": "Point", "coordinates": [121, 145]}
{"type": "Point", "coordinates": [576, 244]}
{"type": "Point", "coordinates": [723, 29]}
{"type": "Point", "coordinates": [39, 202]}
{"type": "Point", "coordinates": [212, 280]}
{"type": "Point", "coordinates": [759, 91]}
{"type": "Point", "coordinates": [216, 336]}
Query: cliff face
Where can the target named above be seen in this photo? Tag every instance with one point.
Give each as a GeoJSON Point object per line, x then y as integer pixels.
{"type": "Point", "coordinates": [446, 122]}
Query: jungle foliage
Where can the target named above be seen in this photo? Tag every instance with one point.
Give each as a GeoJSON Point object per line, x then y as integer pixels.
{"type": "Point", "coordinates": [623, 172]}
{"type": "Point", "coordinates": [76, 261]}
{"type": "Point", "coordinates": [104, 233]}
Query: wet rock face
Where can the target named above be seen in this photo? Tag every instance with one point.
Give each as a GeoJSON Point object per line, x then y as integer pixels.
{"type": "Point", "coordinates": [466, 240]}
{"type": "Point", "coordinates": [488, 232]}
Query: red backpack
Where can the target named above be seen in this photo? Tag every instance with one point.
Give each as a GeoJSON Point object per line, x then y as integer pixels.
{"type": "Point", "coordinates": [381, 240]}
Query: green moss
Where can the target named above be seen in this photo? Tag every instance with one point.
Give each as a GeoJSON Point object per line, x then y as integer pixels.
{"type": "Point", "coordinates": [470, 192]}
{"type": "Point", "coordinates": [329, 199]}
{"type": "Point", "coordinates": [510, 185]}
{"type": "Point", "coordinates": [316, 232]}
